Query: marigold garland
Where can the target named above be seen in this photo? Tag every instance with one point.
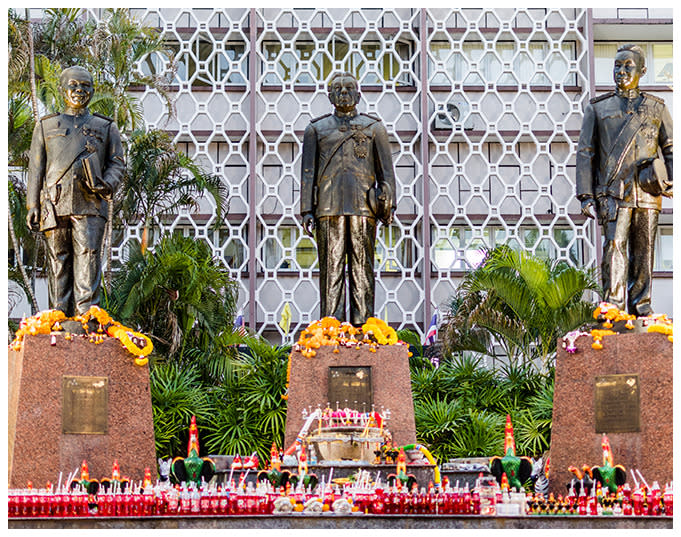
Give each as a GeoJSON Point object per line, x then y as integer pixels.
{"type": "Point", "coordinates": [45, 322]}
{"type": "Point", "coordinates": [658, 323]}
{"type": "Point", "coordinates": [329, 331]}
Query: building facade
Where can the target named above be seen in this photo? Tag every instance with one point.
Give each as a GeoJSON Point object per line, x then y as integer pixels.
{"type": "Point", "coordinates": [483, 108]}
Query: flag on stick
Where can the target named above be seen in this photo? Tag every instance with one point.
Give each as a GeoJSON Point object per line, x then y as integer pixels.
{"type": "Point", "coordinates": [431, 334]}
{"type": "Point", "coordinates": [239, 325]}
{"type": "Point", "coordinates": [285, 322]}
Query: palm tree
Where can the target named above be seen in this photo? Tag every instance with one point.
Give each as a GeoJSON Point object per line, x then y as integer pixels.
{"type": "Point", "coordinates": [118, 44]}
{"type": "Point", "coordinates": [161, 179]}
{"type": "Point", "coordinates": [520, 302]}
{"type": "Point", "coordinates": [178, 294]}
{"type": "Point", "coordinates": [250, 412]}
{"type": "Point", "coordinates": [62, 36]}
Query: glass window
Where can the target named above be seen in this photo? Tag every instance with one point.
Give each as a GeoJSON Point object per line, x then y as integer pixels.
{"type": "Point", "coordinates": [392, 251]}
{"type": "Point", "coordinates": [288, 250]}
{"type": "Point", "coordinates": [659, 61]}
{"type": "Point", "coordinates": [460, 250]}
{"type": "Point", "coordinates": [663, 63]}
{"type": "Point", "coordinates": [305, 64]}
{"type": "Point", "coordinates": [664, 248]}
{"type": "Point", "coordinates": [505, 65]}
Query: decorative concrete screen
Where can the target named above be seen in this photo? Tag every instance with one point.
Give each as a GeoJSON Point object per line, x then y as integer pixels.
{"type": "Point", "coordinates": [483, 108]}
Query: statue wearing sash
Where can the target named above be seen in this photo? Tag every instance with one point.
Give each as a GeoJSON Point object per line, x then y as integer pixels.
{"type": "Point", "coordinates": [624, 166]}
{"type": "Point", "coordinates": [76, 163]}
{"type": "Point", "coordinates": [347, 184]}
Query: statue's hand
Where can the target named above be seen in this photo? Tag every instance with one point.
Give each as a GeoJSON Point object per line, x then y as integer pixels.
{"type": "Point", "coordinates": [587, 206]}
{"type": "Point", "coordinates": [33, 219]}
{"type": "Point", "coordinates": [309, 224]}
{"type": "Point", "coordinates": [104, 190]}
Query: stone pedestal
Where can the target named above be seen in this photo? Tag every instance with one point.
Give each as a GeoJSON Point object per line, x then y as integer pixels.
{"type": "Point", "coordinates": [390, 386]}
{"type": "Point", "coordinates": [38, 448]}
{"type": "Point", "coordinates": [574, 438]}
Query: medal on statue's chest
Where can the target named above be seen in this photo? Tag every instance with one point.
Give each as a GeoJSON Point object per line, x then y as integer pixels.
{"type": "Point", "coordinates": [361, 144]}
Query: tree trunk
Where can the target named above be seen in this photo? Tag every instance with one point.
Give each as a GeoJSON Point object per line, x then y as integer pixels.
{"type": "Point", "coordinates": [31, 66]}
{"type": "Point", "coordinates": [20, 263]}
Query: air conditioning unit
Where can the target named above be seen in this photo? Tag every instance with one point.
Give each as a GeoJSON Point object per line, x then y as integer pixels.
{"type": "Point", "coordinates": [453, 113]}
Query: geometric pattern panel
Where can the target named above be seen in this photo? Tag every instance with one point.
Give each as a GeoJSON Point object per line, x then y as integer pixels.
{"type": "Point", "coordinates": [482, 106]}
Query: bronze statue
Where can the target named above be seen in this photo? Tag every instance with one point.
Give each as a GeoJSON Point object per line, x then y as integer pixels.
{"type": "Point", "coordinates": [76, 163]}
{"type": "Point", "coordinates": [619, 170]}
{"type": "Point", "coordinates": [348, 183]}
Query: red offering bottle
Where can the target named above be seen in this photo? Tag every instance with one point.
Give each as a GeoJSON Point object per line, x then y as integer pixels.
{"type": "Point", "coordinates": [668, 500]}
{"type": "Point", "coordinates": [654, 501]}
{"type": "Point", "coordinates": [204, 502]}
{"type": "Point", "coordinates": [637, 501]}
{"type": "Point", "coordinates": [468, 503]}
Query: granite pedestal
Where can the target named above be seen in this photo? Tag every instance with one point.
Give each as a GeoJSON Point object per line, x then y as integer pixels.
{"type": "Point", "coordinates": [574, 438]}
{"type": "Point", "coordinates": [390, 386]}
{"type": "Point", "coordinates": [39, 449]}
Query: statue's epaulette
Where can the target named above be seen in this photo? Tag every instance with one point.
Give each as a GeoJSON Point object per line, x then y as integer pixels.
{"type": "Point", "coordinates": [375, 118]}
{"type": "Point", "coordinates": [601, 97]}
{"type": "Point", "coordinates": [320, 117]}
{"type": "Point", "coordinates": [652, 97]}
{"type": "Point", "coordinates": [48, 116]}
{"type": "Point", "coordinates": [102, 116]}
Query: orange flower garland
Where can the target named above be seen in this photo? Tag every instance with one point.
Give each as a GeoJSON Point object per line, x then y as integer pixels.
{"type": "Point", "coordinates": [45, 322]}
{"type": "Point", "coordinates": [659, 323]}
{"type": "Point", "coordinates": [329, 331]}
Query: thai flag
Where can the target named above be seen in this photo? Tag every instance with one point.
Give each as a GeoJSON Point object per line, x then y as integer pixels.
{"type": "Point", "coordinates": [239, 325]}
{"type": "Point", "coordinates": [431, 334]}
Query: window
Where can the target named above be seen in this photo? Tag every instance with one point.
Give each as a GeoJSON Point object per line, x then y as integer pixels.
{"type": "Point", "coordinates": [664, 248]}
{"type": "Point", "coordinates": [659, 63]}
{"type": "Point", "coordinates": [288, 250]}
{"type": "Point", "coordinates": [508, 63]}
{"type": "Point", "coordinates": [203, 64]}
{"type": "Point", "coordinates": [301, 62]}
{"type": "Point", "coordinates": [459, 249]}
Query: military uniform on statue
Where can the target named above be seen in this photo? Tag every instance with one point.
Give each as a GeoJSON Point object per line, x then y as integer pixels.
{"type": "Point", "coordinates": [76, 164]}
{"type": "Point", "coordinates": [619, 169]}
{"type": "Point", "coordinates": [347, 185]}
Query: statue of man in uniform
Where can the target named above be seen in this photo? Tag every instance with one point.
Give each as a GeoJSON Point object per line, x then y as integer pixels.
{"type": "Point", "coordinates": [76, 163]}
{"type": "Point", "coordinates": [624, 166]}
{"type": "Point", "coordinates": [348, 183]}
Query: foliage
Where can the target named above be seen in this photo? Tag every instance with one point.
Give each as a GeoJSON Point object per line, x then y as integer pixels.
{"type": "Point", "coordinates": [176, 396]}
{"type": "Point", "coordinates": [520, 302]}
{"type": "Point", "coordinates": [178, 294]}
{"type": "Point", "coordinates": [161, 179]}
{"type": "Point", "coordinates": [460, 407]}
{"type": "Point", "coordinates": [250, 411]}
{"type": "Point", "coordinates": [115, 45]}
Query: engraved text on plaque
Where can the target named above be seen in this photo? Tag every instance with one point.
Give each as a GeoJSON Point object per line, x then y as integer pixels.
{"type": "Point", "coordinates": [350, 387]}
{"type": "Point", "coordinates": [617, 404]}
{"type": "Point", "coordinates": [85, 405]}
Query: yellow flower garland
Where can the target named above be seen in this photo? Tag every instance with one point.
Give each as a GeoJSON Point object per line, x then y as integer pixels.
{"type": "Point", "coordinates": [45, 322]}
{"type": "Point", "coordinates": [659, 323]}
{"type": "Point", "coordinates": [329, 331]}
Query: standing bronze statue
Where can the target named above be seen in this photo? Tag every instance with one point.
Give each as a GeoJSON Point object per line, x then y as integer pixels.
{"type": "Point", "coordinates": [76, 163]}
{"type": "Point", "coordinates": [348, 183]}
{"type": "Point", "coordinates": [624, 166]}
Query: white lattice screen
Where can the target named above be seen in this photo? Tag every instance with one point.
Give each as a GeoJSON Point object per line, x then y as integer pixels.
{"type": "Point", "coordinates": [483, 108]}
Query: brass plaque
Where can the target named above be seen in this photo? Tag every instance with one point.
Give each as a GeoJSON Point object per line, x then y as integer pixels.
{"type": "Point", "coordinates": [350, 387]}
{"type": "Point", "coordinates": [617, 404]}
{"type": "Point", "coordinates": [85, 405]}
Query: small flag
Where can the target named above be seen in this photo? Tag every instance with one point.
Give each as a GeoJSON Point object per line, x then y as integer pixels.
{"type": "Point", "coordinates": [239, 325]}
{"type": "Point", "coordinates": [431, 334]}
{"type": "Point", "coordinates": [285, 322]}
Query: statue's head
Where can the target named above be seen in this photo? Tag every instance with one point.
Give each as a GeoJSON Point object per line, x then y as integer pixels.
{"type": "Point", "coordinates": [77, 87]}
{"type": "Point", "coordinates": [630, 66]}
{"type": "Point", "coordinates": [344, 92]}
